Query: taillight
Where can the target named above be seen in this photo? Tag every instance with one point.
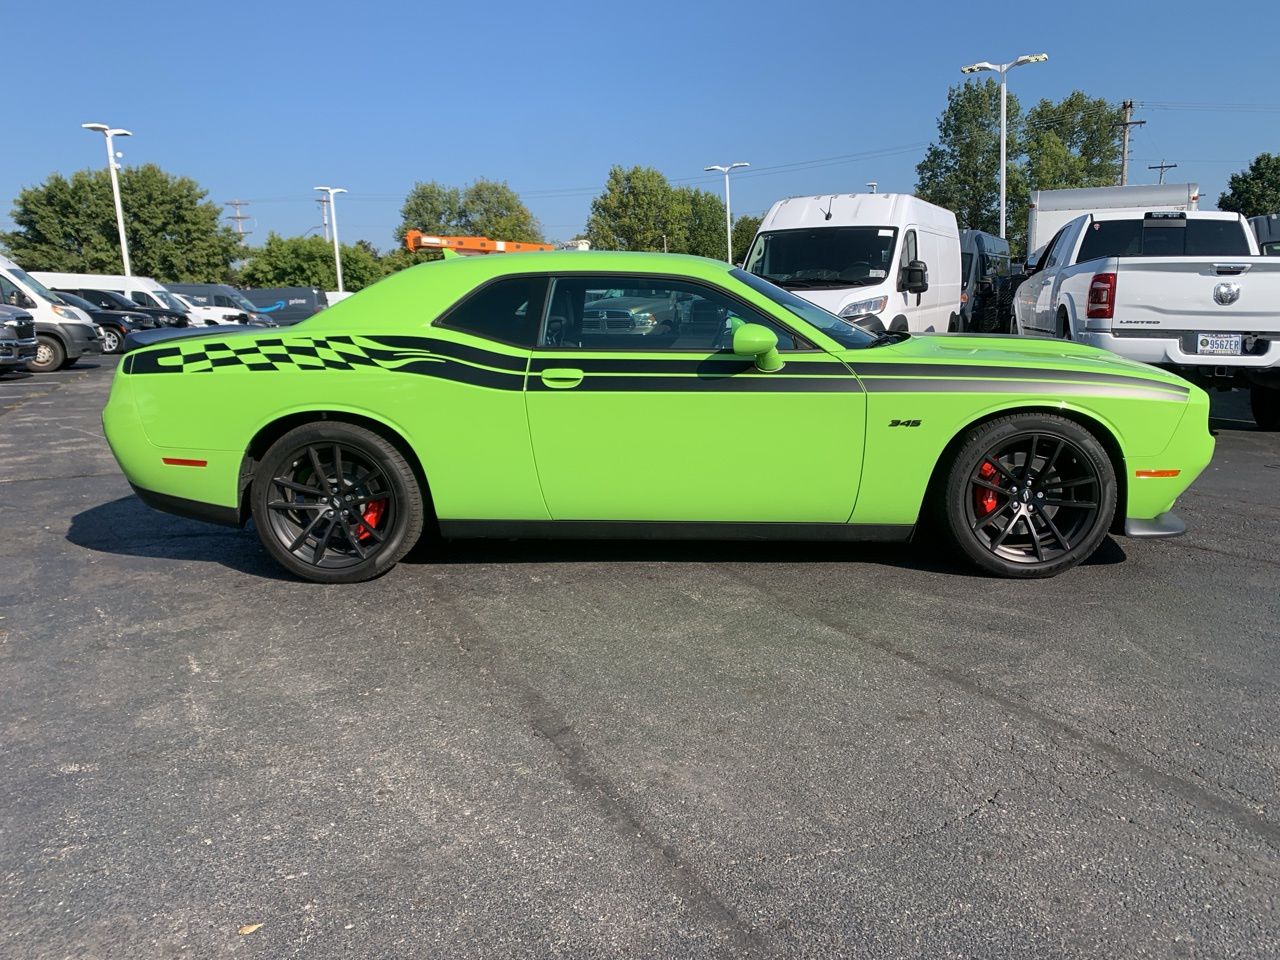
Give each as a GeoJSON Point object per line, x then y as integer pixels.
{"type": "Point", "coordinates": [1102, 297]}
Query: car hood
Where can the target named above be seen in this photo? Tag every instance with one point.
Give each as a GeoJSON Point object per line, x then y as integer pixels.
{"type": "Point", "coordinates": [1041, 353]}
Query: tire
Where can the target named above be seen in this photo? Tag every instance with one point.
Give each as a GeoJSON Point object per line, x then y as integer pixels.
{"type": "Point", "coordinates": [953, 325]}
{"type": "Point", "coordinates": [50, 355]}
{"type": "Point", "coordinates": [1058, 519]}
{"type": "Point", "coordinates": [1063, 329]}
{"type": "Point", "coordinates": [112, 340]}
{"type": "Point", "coordinates": [312, 541]}
{"type": "Point", "coordinates": [1265, 402]}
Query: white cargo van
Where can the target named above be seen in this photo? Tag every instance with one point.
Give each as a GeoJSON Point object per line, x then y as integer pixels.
{"type": "Point", "coordinates": [65, 333]}
{"type": "Point", "coordinates": [143, 291]}
{"type": "Point", "coordinates": [887, 261]}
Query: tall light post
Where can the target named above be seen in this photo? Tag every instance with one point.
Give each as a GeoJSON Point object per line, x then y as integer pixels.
{"type": "Point", "coordinates": [110, 133]}
{"type": "Point", "coordinates": [333, 220]}
{"type": "Point", "coordinates": [728, 214]}
{"type": "Point", "coordinates": [1002, 69]}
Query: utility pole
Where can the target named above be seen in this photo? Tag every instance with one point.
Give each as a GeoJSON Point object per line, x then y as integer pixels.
{"type": "Point", "coordinates": [324, 215]}
{"type": "Point", "coordinates": [1124, 152]}
{"type": "Point", "coordinates": [239, 217]}
{"type": "Point", "coordinates": [1162, 167]}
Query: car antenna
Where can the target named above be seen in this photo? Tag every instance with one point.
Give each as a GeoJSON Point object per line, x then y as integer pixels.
{"type": "Point", "coordinates": [831, 203]}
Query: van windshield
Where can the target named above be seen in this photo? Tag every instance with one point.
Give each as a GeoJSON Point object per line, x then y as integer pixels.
{"type": "Point", "coordinates": [34, 285]}
{"type": "Point", "coordinates": [823, 256]}
{"type": "Point", "coordinates": [241, 301]}
{"type": "Point", "coordinates": [170, 301]}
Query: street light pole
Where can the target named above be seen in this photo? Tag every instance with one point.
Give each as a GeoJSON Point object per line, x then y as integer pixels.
{"type": "Point", "coordinates": [728, 213]}
{"type": "Point", "coordinates": [109, 133]}
{"type": "Point", "coordinates": [1003, 69]}
{"type": "Point", "coordinates": [333, 220]}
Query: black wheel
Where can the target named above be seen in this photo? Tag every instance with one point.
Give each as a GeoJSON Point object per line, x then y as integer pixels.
{"type": "Point", "coordinates": [1029, 495]}
{"type": "Point", "coordinates": [49, 356]}
{"type": "Point", "coordinates": [336, 503]}
{"type": "Point", "coordinates": [954, 325]}
{"type": "Point", "coordinates": [112, 341]}
{"type": "Point", "coordinates": [1265, 402]}
{"type": "Point", "coordinates": [1063, 331]}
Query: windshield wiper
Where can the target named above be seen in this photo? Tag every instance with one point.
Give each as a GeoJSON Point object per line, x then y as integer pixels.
{"type": "Point", "coordinates": [788, 281]}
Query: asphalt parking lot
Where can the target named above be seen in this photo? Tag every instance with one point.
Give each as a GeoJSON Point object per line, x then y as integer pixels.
{"type": "Point", "coordinates": [591, 750]}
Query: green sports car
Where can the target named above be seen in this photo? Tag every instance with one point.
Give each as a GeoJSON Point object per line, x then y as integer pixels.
{"type": "Point", "coordinates": [525, 395]}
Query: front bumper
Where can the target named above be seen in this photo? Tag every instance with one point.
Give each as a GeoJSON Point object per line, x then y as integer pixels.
{"type": "Point", "coordinates": [81, 341]}
{"type": "Point", "coordinates": [16, 353]}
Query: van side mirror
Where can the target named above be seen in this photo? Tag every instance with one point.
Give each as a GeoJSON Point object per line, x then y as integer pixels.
{"type": "Point", "coordinates": [915, 277]}
{"type": "Point", "coordinates": [26, 302]}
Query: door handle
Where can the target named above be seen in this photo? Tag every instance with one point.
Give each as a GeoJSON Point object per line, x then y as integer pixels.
{"type": "Point", "coordinates": [561, 378]}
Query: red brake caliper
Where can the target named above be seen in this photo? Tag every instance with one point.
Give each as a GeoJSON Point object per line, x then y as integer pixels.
{"type": "Point", "coordinates": [984, 500]}
{"type": "Point", "coordinates": [372, 514]}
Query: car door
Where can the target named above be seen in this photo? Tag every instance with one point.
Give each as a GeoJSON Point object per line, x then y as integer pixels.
{"type": "Point", "coordinates": [1047, 278]}
{"type": "Point", "coordinates": [636, 418]}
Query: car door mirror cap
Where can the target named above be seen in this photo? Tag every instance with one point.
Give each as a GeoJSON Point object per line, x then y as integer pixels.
{"type": "Point", "coordinates": [758, 342]}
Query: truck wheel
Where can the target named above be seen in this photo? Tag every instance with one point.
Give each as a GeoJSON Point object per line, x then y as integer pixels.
{"type": "Point", "coordinates": [336, 503]}
{"type": "Point", "coordinates": [49, 355]}
{"type": "Point", "coordinates": [1029, 495]}
{"type": "Point", "coordinates": [1064, 325]}
{"type": "Point", "coordinates": [1265, 402]}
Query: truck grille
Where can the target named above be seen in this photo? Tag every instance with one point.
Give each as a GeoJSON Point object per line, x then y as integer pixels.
{"type": "Point", "coordinates": [597, 320]}
{"type": "Point", "coordinates": [22, 329]}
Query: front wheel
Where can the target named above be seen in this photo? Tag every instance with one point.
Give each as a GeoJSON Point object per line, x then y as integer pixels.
{"type": "Point", "coordinates": [112, 340]}
{"type": "Point", "coordinates": [1265, 402]}
{"type": "Point", "coordinates": [336, 503]}
{"type": "Point", "coordinates": [1029, 495]}
{"type": "Point", "coordinates": [49, 356]}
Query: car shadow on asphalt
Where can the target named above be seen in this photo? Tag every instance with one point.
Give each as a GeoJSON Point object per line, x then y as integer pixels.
{"type": "Point", "coordinates": [128, 527]}
{"type": "Point", "coordinates": [923, 556]}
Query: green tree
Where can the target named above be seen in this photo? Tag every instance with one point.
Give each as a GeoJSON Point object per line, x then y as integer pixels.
{"type": "Point", "coordinates": [634, 212]}
{"type": "Point", "coordinates": [308, 262]}
{"type": "Point", "coordinates": [1073, 143]}
{"type": "Point", "coordinates": [703, 216]}
{"type": "Point", "coordinates": [744, 231]}
{"type": "Point", "coordinates": [1254, 192]}
{"type": "Point", "coordinates": [174, 235]}
{"type": "Point", "coordinates": [962, 170]}
{"type": "Point", "coordinates": [486, 208]}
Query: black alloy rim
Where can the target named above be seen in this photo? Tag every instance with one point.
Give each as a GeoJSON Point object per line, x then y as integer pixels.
{"type": "Point", "coordinates": [332, 507]}
{"type": "Point", "coordinates": [1032, 498]}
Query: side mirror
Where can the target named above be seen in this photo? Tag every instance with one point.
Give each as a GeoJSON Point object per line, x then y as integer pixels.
{"type": "Point", "coordinates": [25, 302]}
{"type": "Point", "coordinates": [986, 286]}
{"type": "Point", "coordinates": [760, 343]}
{"type": "Point", "coordinates": [915, 277]}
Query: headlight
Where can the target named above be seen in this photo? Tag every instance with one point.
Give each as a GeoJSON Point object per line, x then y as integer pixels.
{"type": "Point", "coordinates": [865, 308]}
{"type": "Point", "coordinates": [66, 313]}
{"type": "Point", "coordinates": [642, 319]}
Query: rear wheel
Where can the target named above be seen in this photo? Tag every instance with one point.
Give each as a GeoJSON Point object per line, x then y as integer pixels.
{"type": "Point", "coordinates": [1265, 402]}
{"type": "Point", "coordinates": [112, 340]}
{"type": "Point", "coordinates": [1029, 495]}
{"type": "Point", "coordinates": [49, 356]}
{"type": "Point", "coordinates": [336, 503]}
{"type": "Point", "coordinates": [1064, 325]}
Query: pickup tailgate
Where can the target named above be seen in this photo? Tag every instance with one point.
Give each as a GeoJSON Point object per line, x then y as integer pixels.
{"type": "Point", "coordinates": [1197, 295]}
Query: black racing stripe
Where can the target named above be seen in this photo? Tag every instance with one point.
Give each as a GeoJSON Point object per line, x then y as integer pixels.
{"type": "Point", "coordinates": [1135, 389]}
{"type": "Point", "coordinates": [699, 364]}
{"type": "Point", "coordinates": [149, 361]}
{"type": "Point", "coordinates": [463, 373]}
{"type": "Point", "coordinates": [447, 348]}
{"type": "Point", "coordinates": [925, 371]}
{"type": "Point", "coordinates": [695, 384]}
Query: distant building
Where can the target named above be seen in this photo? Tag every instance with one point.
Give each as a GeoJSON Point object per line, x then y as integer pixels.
{"type": "Point", "coordinates": [576, 245]}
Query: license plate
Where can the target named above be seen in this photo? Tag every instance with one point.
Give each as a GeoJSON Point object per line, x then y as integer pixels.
{"type": "Point", "coordinates": [1219, 344]}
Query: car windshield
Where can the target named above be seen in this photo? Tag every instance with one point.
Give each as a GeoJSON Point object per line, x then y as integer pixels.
{"type": "Point", "coordinates": [170, 301]}
{"type": "Point", "coordinates": [823, 256]}
{"type": "Point", "coordinates": [839, 330]}
{"type": "Point", "coordinates": [118, 301]}
{"type": "Point", "coordinates": [241, 301]}
{"type": "Point", "coordinates": [72, 300]}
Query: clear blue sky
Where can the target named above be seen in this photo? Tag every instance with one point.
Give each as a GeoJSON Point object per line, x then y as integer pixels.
{"type": "Point", "coordinates": [264, 100]}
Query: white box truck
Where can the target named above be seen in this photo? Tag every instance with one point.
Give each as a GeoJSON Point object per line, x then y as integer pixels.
{"type": "Point", "coordinates": [886, 261]}
{"type": "Point", "coordinates": [1051, 210]}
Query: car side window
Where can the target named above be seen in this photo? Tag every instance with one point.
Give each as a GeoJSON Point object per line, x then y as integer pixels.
{"type": "Point", "coordinates": [1047, 259]}
{"type": "Point", "coordinates": [631, 312]}
{"type": "Point", "coordinates": [142, 299]}
{"type": "Point", "coordinates": [508, 311]}
{"type": "Point", "coordinates": [10, 293]}
{"type": "Point", "coordinates": [910, 249]}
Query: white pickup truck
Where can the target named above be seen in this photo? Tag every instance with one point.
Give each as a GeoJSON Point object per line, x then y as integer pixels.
{"type": "Point", "coordinates": [1187, 291]}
